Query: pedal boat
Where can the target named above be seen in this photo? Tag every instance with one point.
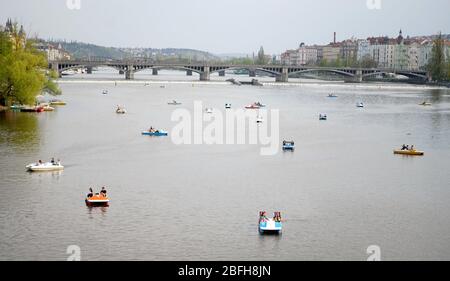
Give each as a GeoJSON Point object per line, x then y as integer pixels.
{"type": "Point", "coordinates": [97, 200]}
{"type": "Point", "coordinates": [157, 133]}
{"type": "Point", "coordinates": [412, 152]}
{"type": "Point", "coordinates": [288, 145]}
{"type": "Point", "coordinates": [269, 225]}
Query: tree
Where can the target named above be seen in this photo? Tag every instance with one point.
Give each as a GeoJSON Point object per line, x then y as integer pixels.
{"type": "Point", "coordinates": [436, 66]}
{"type": "Point", "coordinates": [23, 69]}
{"type": "Point", "coordinates": [261, 56]}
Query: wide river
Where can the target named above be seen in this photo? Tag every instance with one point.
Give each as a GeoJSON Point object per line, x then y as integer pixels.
{"type": "Point", "coordinates": [339, 192]}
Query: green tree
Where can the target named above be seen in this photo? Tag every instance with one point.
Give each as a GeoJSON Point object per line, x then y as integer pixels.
{"type": "Point", "coordinates": [437, 65]}
{"type": "Point", "coordinates": [24, 70]}
{"type": "Point", "coordinates": [261, 57]}
{"type": "Point", "coordinates": [323, 63]}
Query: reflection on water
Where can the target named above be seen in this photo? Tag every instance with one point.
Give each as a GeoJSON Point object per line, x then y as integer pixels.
{"type": "Point", "coordinates": [93, 211]}
{"type": "Point", "coordinates": [20, 130]}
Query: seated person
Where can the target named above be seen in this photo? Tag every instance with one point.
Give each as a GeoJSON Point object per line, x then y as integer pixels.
{"type": "Point", "coordinates": [103, 192]}
{"type": "Point", "coordinates": [91, 193]}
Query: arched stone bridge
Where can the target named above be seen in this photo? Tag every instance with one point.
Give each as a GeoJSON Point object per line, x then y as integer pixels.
{"type": "Point", "coordinates": [281, 72]}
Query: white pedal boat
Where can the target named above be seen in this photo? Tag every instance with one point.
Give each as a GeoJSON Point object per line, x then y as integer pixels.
{"type": "Point", "coordinates": [44, 167]}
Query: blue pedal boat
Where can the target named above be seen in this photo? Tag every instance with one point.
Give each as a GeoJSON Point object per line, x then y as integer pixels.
{"type": "Point", "coordinates": [288, 145]}
{"type": "Point", "coordinates": [270, 225]}
{"type": "Point", "coordinates": [157, 133]}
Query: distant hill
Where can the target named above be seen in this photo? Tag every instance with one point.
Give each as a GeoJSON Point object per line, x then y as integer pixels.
{"type": "Point", "coordinates": [81, 50]}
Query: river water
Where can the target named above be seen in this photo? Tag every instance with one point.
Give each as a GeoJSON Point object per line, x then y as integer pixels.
{"type": "Point", "coordinates": [341, 191]}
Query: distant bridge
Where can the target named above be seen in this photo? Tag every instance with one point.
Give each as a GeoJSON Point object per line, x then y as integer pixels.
{"type": "Point", "coordinates": [281, 72]}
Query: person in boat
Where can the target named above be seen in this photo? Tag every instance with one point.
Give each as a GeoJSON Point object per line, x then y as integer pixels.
{"type": "Point", "coordinates": [58, 163]}
{"type": "Point", "coordinates": [277, 217]}
{"type": "Point", "coordinates": [52, 161]}
{"type": "Point", "coordinates": [151, 130]}
{"type": "Point", "coordinates": [91, 193]}
{"type": "Point", "coordinates": [40, 162]}
{"type": "Point", "coordinates": [404, 147]}
{"type": "Point", "coordinates": [103, 192]}
{"type": "Point", "coordinates": [412, 147]}
{"type": "Point", "coordinates": [284, 142]}
{"type": "Point", "coordinates": [263, 216]}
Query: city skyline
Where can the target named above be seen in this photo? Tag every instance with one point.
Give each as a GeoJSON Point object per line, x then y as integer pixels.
{"type": "Point", "coordinates": [195, 25]}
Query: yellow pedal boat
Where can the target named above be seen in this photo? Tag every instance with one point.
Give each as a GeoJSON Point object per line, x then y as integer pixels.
{"type": "Point", "coordinates": [409, 152]}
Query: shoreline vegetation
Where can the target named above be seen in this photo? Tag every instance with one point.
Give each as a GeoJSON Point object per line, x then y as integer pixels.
{"type": "Point", "coordinates": [24, 72]}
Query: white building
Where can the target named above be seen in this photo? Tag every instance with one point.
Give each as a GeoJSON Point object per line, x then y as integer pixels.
{"type": "Point", "coordinates": [302, 56]}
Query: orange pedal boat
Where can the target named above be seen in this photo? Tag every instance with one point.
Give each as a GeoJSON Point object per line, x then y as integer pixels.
{"type": "Point", "coordinates": [97, 200]}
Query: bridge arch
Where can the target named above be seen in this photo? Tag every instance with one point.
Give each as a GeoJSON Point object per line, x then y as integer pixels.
{"type": "Point", "coordinates": [75, 66]}
{"type": "Point", "coordinates": [336, 71]}
{"type": "Point", "coordinates": [249, 68]}
{"type": "Point", "coordinates": [174, 67]}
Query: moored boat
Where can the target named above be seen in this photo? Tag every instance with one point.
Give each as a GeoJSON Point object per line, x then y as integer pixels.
{"type": "Point", "coordinates": [425, 103]}
{"type": "Point", "coordinates": [16, 107]}
{"type": "Point", "coordinates": [208, 110]}
{"type": "Point", "coordinates": [48, 108]}
{"type": "Point", "coordinates": [57, 102]}
{"type": "Point", "coordinates": [228, 105]}
{"type": "Point", "coordinates": [174, 102]}
{"type": "Point", "coordinates": [332, 96]}
{"type": "Point", "coordinates": [32, 109]}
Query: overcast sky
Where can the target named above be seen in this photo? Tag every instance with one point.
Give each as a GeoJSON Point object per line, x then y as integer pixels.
{"type": "Point", "coordinates": [225, 26]}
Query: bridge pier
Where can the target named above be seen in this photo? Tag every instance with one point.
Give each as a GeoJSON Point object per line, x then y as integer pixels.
{"type": "Point", "coordinates": [205, 75]}
{"type": "Point", "coordinates": [189, 73]}
{"type": "Point", "coordinates": [222, 73]}
{"type": "Point", "coordinates": [251, 73]}
{"type": "Point", "coordinates": [154, 71]}
{"type": "Point", "coordinates": [358, 78]}
{"type": "Point", "coordinates": [129, 74]}
{"type": "Point", "coordinates": [283, 76]}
